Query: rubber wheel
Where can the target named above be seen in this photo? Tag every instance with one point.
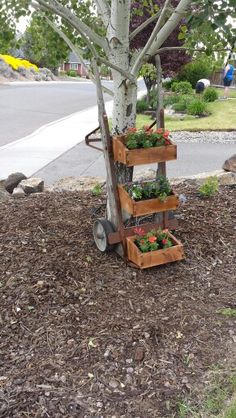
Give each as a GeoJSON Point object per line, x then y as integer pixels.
{"type": "Point", "coordinates": [101, 228]}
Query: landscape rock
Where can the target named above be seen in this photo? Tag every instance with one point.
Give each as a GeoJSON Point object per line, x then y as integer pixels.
{"type": "Point", "coordinates": [13, 180]}
{"type": "Point", "coordinates": [4, 195]}
{"type": "Point", "coordinates": [18, 192]}
{"type": "Point", "coordinates": [32, 185]}
{"type": "Point", "coordinates": [230, 164]}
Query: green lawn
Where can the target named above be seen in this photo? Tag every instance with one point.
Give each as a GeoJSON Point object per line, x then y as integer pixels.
{"type": "Point", "coordinates": [223, 117]}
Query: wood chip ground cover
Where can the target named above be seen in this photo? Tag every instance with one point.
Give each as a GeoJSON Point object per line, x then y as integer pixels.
{"type": "Point", "coordinates": [84, 335]}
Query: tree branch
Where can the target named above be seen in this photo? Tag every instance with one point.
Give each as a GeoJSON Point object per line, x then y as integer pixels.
{"type": "Point", "coordinates": [155, 31]}
{"type": "Point", "coordinates": [174, 48]}
{"type": "Point", "coordinates": [78, 52]}
{"type": "Point", "coordinates": [143, 25]}
{"type": "Point", "coordinates": [73, 20]}
{"type": "Point", "coordinates": [169, 26]}
{"type": "Point", "coordinates": [104, 11]}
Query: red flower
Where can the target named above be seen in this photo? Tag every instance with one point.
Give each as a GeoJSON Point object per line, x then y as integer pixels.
{"type": "Point", "coordinates": [152, 239]}
{"type": "Point", "coordinates": [164, 241]}
{"type": "Point", "coordinates": [159, 131]}
{"type": "Point", "coordinates": [139, 231]}
{"type": "Point", "coordinates": [166, 134]}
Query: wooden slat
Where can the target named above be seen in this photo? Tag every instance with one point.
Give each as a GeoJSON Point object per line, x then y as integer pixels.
{"type": "Point", "coordinates": [148, 206]}
{"type": "Point", "coordinates": [115, 237]}
{"type": "Point", "coordinates": [154, 258]}
{"type": "Point", "coordinates": [142, 155]}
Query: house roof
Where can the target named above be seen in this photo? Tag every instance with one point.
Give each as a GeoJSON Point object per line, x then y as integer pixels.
{"type": "Point", "coordinates": [73, 58]}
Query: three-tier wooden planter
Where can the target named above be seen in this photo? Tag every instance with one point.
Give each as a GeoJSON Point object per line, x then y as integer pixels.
{"type": "Point", "coordinates": [159, 154]}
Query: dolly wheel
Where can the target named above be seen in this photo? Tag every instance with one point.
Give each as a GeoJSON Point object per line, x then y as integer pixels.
{"type": "Point", "coordinates": [101, 228]}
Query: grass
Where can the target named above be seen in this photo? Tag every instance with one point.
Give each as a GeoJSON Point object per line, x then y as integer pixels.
{"type": "Point", "coordinates": [228, 312]}
{"type": "Point", "coordinates": [223, 117]}
{"type": "Point", "coordinates": [218, 398]}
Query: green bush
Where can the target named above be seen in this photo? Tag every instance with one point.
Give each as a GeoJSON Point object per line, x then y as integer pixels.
{"type": "Point", "coordinates": [167, 84]}
{"type": "Point", "coordinates": [182, 87]}
{"type": "Point", "coordinates": [210, 94]}
{"type": "Point", "coordinates": [153, 99]}
{"type": "Point", "coordinates": [183, 102]}
{"type": "Point", "coordinates": [209, 187]}
{"type": "Point", "coordinates": [197, 108]}
{"type": "Point", "coordinates": [170, 99]}
{"type": "Point", "coordinates": [72, 73]}
{"type": "Point", "coordinates": [141, 106]}
{"type": "Point", "coordinates": [194, 71]}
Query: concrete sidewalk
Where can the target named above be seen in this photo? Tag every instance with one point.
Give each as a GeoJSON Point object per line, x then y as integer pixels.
{"type": "Point", "coordinates": [37, 150]}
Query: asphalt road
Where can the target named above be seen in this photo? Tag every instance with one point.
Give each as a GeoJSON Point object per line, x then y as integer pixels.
{"type": "Point", "coordinates": [25, 108]}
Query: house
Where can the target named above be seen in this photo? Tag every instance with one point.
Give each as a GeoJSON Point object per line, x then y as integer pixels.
{"type": "Point", "coordinates": [74, 63]}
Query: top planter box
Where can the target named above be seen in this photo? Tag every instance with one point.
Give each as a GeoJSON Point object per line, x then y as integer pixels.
{"type": "Point", "coordinates": [141, 155]}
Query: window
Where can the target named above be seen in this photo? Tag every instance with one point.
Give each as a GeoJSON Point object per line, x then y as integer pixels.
{"type": "Point", "coordinates": [73, 66]}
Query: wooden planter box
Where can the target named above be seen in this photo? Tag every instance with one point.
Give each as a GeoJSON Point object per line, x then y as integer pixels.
{"type": "Point", "coordinates": [144, 207]}
{"type": "Point", "coordinates": [142, 155]}
{"type": "Point", "coordinates": [154, 258]}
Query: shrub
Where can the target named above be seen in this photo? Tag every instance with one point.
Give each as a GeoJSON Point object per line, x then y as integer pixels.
{"type": "Point", "coordinates": [141, 106]}
{"type": "Point", "coordinates": [167, 84]}
{"type": "Point", "coordinates": [197, 108]}
{"type": "Point", "coordinates": [209, 187]}
{"type": "Point", "coordinates": [153, 99]}
{"type": "Point", "coordinates": [97, 189]}
{"type": "Point", "coordinates": [210, 94]}
{"type": "Point", "coordinates": [194, 71]}
{"type": "Point", "coordinates": [170, 99]}
{"type": "Point", "coordinates": [183, 87]}
{"type": "Point", "coordinates": [183, 102]}
{"type": "Point", "coordinates": [72, 73]}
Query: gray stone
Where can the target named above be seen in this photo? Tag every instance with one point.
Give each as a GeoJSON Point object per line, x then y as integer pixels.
{"type": "Point", "coordinates": [32, 185]}
{"type": "Point", "coordinates": [13, 180]}
{"type": "Point", "coordinates": [230, 164]}
{"type": "Point", "coordinates": [4, 195]}
{"type": "Point", "coordinates": [18, 192]}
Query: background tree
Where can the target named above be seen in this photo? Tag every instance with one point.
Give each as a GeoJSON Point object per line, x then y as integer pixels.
{"type": "Point", "coordinates": [7, 32]}
{"type": "Point", "coordinates": [149, 73]}
{"type": "Point", "coordinates": [42, 45]}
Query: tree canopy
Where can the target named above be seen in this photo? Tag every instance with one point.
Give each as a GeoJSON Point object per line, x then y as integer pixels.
{"type": "Point", "coordinates": [42, 45]}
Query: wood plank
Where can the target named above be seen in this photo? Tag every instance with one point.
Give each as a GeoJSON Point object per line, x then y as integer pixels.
{"type": "Point", "coordinates": [142, 155]}
{"type": "Point", "coordinates": [154, 258]}
{"type": "Point", "coordinates": [148, 206]}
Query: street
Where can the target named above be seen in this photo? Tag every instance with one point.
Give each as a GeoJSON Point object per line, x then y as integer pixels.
{"type": "Point", "coordinates": [43, 128]}
{"type": "Point", "coordinates": [25, 108]}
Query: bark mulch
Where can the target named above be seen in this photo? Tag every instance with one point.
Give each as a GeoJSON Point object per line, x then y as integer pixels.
{"type": "Point", "coordinates": [84, 335]}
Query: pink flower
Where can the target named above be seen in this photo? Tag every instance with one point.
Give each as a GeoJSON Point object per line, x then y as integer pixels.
{"type": "Point", "coordinates": [152, 239]}
{"type": "Point", "coordinates": [139, 231]}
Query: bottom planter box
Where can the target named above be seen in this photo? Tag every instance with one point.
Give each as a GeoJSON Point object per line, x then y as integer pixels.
{"type": "Point", "coordinates": [154, 258]}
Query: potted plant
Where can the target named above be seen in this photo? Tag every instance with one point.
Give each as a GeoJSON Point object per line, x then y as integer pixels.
{"type": "Point", "coordinates": [142, 198]}
{"type": "Point", "coordinates": [143, 146]}
{"type": "Point", "coordinates": [153, 248]}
